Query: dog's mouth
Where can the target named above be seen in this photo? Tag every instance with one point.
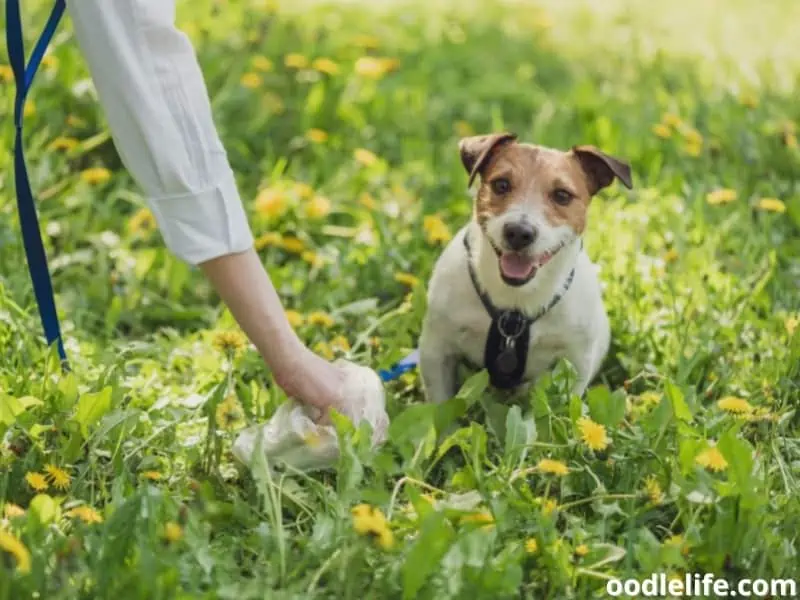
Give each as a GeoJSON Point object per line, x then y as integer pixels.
{"type": "Point", "coordinates": [518, 268]}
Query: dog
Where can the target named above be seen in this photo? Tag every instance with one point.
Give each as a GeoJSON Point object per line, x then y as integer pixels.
{"type": "Point", "coordinates": [514, 290]}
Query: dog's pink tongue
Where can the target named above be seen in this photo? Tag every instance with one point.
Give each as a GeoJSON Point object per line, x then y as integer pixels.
{"type": "Point", "coordinates": [515, 265]}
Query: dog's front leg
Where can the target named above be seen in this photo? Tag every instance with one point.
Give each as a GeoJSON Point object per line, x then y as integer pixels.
{"type": "Point", "coordinates": [438, 365]}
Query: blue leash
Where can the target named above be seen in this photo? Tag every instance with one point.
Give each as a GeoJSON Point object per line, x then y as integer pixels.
{"type": "Point", "coordinates": [31, 235]}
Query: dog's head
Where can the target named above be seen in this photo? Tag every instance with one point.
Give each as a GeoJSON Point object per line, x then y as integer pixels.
{"type": "Point", "coordinates": [533, 200]}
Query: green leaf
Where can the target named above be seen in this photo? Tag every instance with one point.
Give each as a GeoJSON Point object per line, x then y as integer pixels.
{"type": "Point", "coordinates": [45, 508]}
{"type": "Point", "coordinates": [679, 407]}
{"type": "Point", "coordinates": [91, 408]}
{"type": "Point", "coordinates": [435, 538]}
{"type": "Point", "coordinates": [604, 407]}
{"type": "Point", "coordinates": [10, 407]}
{"type": "Point", "coordinates": [519, 434]}
{"type": "Point", "coordinates": [739, 455]}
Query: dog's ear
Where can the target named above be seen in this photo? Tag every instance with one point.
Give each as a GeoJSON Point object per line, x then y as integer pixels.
{"type": "Point", "coordinates": [600, 168]}
{"type": "Point", "coordinates": [477, 149]}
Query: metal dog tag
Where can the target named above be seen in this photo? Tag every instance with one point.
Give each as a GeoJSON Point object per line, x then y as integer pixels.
{"type": "Point", "coordinates": [507, 359]}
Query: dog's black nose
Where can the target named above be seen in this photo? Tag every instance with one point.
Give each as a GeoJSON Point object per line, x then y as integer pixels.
{"type": "Point", "coordinates": [519, 235]}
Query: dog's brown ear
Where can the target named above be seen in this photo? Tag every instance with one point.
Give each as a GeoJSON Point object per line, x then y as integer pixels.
{"type": "Point", "coordinates": [477, 149]}
{"type": "Point", "coordinates": [600, 168]}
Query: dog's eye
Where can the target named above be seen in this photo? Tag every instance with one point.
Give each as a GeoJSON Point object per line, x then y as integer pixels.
{"type": "Point", "coordinates": [501, 186]}
{"type": "Point", "coordinates": [562, 197]}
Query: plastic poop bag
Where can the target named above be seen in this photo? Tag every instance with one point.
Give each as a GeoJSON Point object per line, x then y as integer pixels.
{"type": "Point", "coordinates": [295, 437]}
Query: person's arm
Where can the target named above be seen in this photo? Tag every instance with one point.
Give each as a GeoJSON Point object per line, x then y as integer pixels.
{"type": "Point", "coordinates": [154, 97]}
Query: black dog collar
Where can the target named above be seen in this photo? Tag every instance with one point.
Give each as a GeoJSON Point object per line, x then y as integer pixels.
{"type": "Point", "coordinates": [506, 352]}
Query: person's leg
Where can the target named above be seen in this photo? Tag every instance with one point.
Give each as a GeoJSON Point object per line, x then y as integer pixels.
{"type": "Point", "coordinates": [154, 97]}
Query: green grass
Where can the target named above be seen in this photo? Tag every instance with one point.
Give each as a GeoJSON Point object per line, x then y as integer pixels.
{"type": "Point", "coordinates": [703, 299]}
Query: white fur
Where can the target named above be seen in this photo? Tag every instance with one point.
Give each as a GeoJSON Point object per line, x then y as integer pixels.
{"type": "Point", "coordinates": [456, 323]}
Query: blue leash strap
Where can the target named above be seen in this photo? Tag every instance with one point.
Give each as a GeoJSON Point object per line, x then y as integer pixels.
{"type": "Point", "coordinates": [29, 222]}
{"type": "Point", "coordinates": [405, 365]}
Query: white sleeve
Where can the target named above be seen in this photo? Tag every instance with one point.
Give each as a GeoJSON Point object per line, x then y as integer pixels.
{"type": "Point", "coordinates": [155, 100]}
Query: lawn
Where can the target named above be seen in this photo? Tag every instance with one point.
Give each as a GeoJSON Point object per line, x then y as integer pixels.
{"type": "Point", "coordinates": [342, 124]}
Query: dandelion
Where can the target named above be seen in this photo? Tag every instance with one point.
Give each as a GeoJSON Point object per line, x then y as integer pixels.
{"type": "Point", "coordinates": [771, 205]}
{"type": "Point", "coordinates": [295, 61]}
{"type": "Point", "coordinates": [173, 532]}
{"type": "Point", "coordinates": [791, 324]}
{"type": "Point", "coordinates": [11, 544]}
{"type": "Point", "coordinates": [37, 481]}
{"type": "Point", "coordinates": [96, 175]}
{"type": "Point", "coordinates": [549, 506]}
{"type": "Point", "coordinates": [270, 238]}
{"type": "Point", "coordinates": [365, 157]}
{"type": "Point", "coordinates": [582, 550]}
{"type": "Point", "coordinates": [369, 520]}
{"type": "Point", "coordinates": [11, 510]}
{"type": "Point", "coordinates": [63, 143]}
{"type": "Point", "coordinates": [29, 109]}
{"type": "Point", "coordinates": [293, 245]}
{"type": "Point", "coordinates": [661, 130]}
{"type": "Point", "coordinates": [58, 477]}
{"type": "Point", "coordinates": [295, 318]}
{"type": "Point", "coordinates": [790, 140]}
{"type": "Point", "coordinates": [312, 258]}
{"type": "Point", "coordinates": [653, 490]}
{"type": "Point", "coordinates": [229, 413]}
{"type": "Point", "coordinates": [721, 196]}
{"type": "Point", "coordinates": [677, 541]}
{"type": "Point", "coordinates": [340, 343]}
{"type": "Point", "coordinates": [326, 65]}
{"type": "Point", "coordinates": [482, 517]}
{"type": "Point", "coordinates": [693, 149]}
{"type": "Point", "coordinates": [86, 514]}
{"type": "Point", "coordinates": [712, 459]}
{"type": "Point", "coordinates": [463, 129]}
{"type": "Point", "coordinates": [50, 62]}
{"type": "Point", "coordinates": [367, 201]}
{"type": "Point", "coordinates": [251, 80]}
{"type": "Point", "coordinates": [671, 120]}
{"type": "Point", "coordinates": [367, 42]}
{"type": "Point", "coordinates": [303, 190]}
{"type": "Point", "coordinates": [228, 342]}
{"type": "Point", "coordinates": [531, 546]}
{"type": "Point", "coordinates": [142, 221]}
{"type": "Point", "coordinates": [270, 203]}
{"type": "Point", "coordinates": [6, 73]}
{"type": "Point", "coordinates": [318, 207]}
{"type": "Point", "coordinates": [748, 99]}
{"type": "Point", "coordinates": [671, 255]}
{"type": "Point", "coordinates": [151, 475]}
{"type": "Point", "coordinates": [320, 318]}
{"type": "Point", "coordinates": [372, 67]}
{"type": "Point", "coordinates": [324, 350]}
{"type": "Point", "coordinates": [406, 279]}
{"type": "Point", "coordinates": [593, 434]}
{"type": "Point", "coordinates": [436, 231]}
{"type": "Point", "coordinates": [735, 405]}
{"type": "Point", "coordinates": [554, 467]}
{"type": "Point", "coordinates": [76, 122]}
{"type": "Point", "coordinates": [262, 63]}
{"type": "Point", "coordinates": [692, 136]}
{"type": "Point", "coordinates": [318, 136]}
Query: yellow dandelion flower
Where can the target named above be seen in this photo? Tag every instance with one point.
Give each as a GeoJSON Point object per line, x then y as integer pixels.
{"type": "Point", "coordinates": [735, 405]}
{"type": "Point", "coordinates": [373, 67]}
{"type": "Point", "coordinates": [653, 490]}
{"type": "Point", "coordinates": [531, 546]}
{"type": "Point", "coordinates": [229, 342]}
{"type": "Point", "coordinates": [96, 175]}
{"type": "Point", "coordinates": [712, 459]}
{"type": "Point", "coordinates": [436, 231]}
{"type": "Point", "coordinates": [748, 99]}
{"type": "Point", "coordinates": [791, 324]}
{"type": "Point", "coordinates": [50, 62]}
{"type": "Point", "coordinates": [721, 196]}
{"type": "Point", "coordinates": [365, 157]}
{"type": "Point", "coordinates": [593, 434]}
{"type": "Point", "coordinates": [483, 517]}
{"type": "Point", "coordinates": [270, 238]}
{"type": "Point", "coordinates": [318, 136]}
{"type": "Point", "coordinates": [63, 143]}
{"type": "Point", "coordinates": [326, 65]}
{"type": "Point", "coordinates": [582, 550]}
{"type": "Point", "coordinates": [29, 109]}
{"type": "Point", "coordinates": [677, 541]}
{"type": "Point", "coordinates": [790, 140]}
{"type": "Point", "coordinates": [367, 42]}
{"type": "Point", "coordinates": [273, 103]}
{"type": "Point", "coordinates": [251, 80]}
{"type": "Point", "coordinates": [324, 350]}
{"type": "Point", "coordinates": [320, 318]}
{"type": "Point", "coordinates": [295, 318]}
{"type": "Point", "coordinates": [86, 514]}
{"type": "Point", "coordinates": [367, 201]}
{"type": "Point", "coordinates": [293, 245]}
{"type": "Point", "coordinates": [11, 510]}
{"type": "Point", "coordinates": [671, 255]}
{"type": "Point", "coordinates": [671, 120]}
{"type": "Point", "coordinates": [58, 477]}
{"type": "Point", "coordinates": [37, 481]}
{"type": "Point", "coordinates": [262, 63]}
{"type": "Point", "coordinates": [463, 129]}
{"type": "Point", "coordinates": [295, 61]}
{"type": "Point", "coordinates": [6, 73]}
{"type": "Point", "coordinates": [312, 258]}
{"type": "Point", "coordinates": [13, 546]}
{"type": "Point", "coordinates": [76, 122]}
{"type": "Point", "coordinates": [692, 136]}
{"type": "Point", "coordinates": [173, 532]}
{"type": "Point", "coordinates": [771, 205]}
{"type": "Point", "coordinates": [142, 221]}
{"type": "Point", "coordinates": [662, 130]}
{"type": "Point", "coordinates": [370, 521]}
{"type": "Point", "coordinates": [318, 207]}
{"type": "Point", "coordinates": [303, 190]}
{"type": "Point", "coordinates": [406, 279]}
{"type": "Point", "coordinates": [340, 343]}
{"type": "Point", "coordinates": [151, 475]}
{"type": "Point", "coordinates": [549, 506]}
{"type": "Point", "coordinates": [554, 467]}
{"type": "Point", "coordinates": [693, 149]}
{"type": "Point", "coordinates": [270, 203]}
{"type": "Point", "coordinates": [229, 413]}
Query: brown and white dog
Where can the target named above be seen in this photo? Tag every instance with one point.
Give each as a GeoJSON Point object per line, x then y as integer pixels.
{"type": "Point", "coordinates": [514, 290]}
